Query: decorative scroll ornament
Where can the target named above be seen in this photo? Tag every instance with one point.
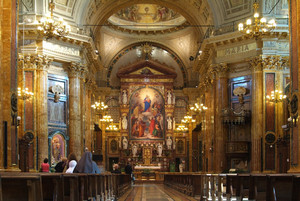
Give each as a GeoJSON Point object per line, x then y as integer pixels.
{"type": "Point", "coordinates": [240, 92]}
{"type": "Point", "coordinates": [57, 90]}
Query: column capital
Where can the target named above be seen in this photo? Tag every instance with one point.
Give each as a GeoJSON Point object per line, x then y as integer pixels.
{"type": "Point", "coordinates": [219, 70]}
{"type": "Point", "coordinates": [34, 62]}
{"type": "Point", "coordinates": [275, 62]}
{"type": "Point", "coordinates": [255, 63]}
{"type": "Point", "coordinates": [76, 70]}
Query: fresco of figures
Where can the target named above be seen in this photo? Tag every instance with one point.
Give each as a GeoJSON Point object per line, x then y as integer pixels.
{"type": "Point", "coordinates": [147, 114]}
{"type": "Point", "coordinates": [147, 13]}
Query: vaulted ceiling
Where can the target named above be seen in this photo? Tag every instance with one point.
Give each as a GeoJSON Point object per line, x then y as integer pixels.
{"type": "Point", "coordinates": [173, 28]}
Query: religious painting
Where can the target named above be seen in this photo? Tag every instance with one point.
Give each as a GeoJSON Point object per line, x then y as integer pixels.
{"type": "Point", "coordinates": [57, 148]}
{"type": "Point", "coordinates": [147, 115]}
{"type": "Point", "coordinates": [180, 146]}
{"type": "Point", "coordinates": [113, 146]}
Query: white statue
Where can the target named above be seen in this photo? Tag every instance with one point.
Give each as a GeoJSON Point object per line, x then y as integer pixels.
{"type": "Point", "coordinates": [159, 150]}
{"type": "Point", "coordinates": [125, 143]}
{"type": "Point", "coordinates": [169, 96]}
{"type": "Point", "coordinates": [124, 97]}
{"type": "Point", "coordinates": [169, 142]}
{"type": "Point", "coordinates": [134, 150]}
{"type": "Point", "coordinates": [181, 166]}
{"type": "Point", "coordinates": [169, 120]}
{"type": "Point", "coordinates": [124, 123]}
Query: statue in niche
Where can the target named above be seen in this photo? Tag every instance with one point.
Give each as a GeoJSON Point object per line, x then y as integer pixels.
{"type": "Point", "coordinates": [159, 150]}
{"type": "Point", "coordinates": [134, 150]}
{"type": "Point", "coordinates": [124, 97]}
{"type": "Point", "coordinates": [169, 120]}
{"type": "Point", "coordinates": [124, 123]}
{"type": "Point", "coordinates": [169, 97]}
{"type": "Point", "coordinates": [169, 142]}
{"type": "Point", "coordinates": [125, 143]}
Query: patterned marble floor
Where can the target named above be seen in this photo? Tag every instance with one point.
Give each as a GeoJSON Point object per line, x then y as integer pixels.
{"type": "Point", "coordinates": [154, 192]}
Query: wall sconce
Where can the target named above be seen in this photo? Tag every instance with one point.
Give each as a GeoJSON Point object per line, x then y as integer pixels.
{"type": "Point", "coordinates": [18, 120]}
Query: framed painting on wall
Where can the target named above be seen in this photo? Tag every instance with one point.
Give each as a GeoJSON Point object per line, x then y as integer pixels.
{"type": "Point", "coordinates": [147, 117]}
{"type": "Point", "coordinates": [113, 146]}
{"type": "Point", "coordinates": [180, 146]}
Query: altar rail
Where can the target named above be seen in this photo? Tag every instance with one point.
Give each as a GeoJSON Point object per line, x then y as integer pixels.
{"type": "Point", "coordinates": [61, 187]}
{"type": "Point", "coordinates": [259, 187]}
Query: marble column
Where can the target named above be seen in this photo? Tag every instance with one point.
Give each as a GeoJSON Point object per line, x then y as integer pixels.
{"type": "Point", "coordinates": [75, 72]}
{"type": "Point", "coordinates": [1, 82]}
{"type": "Point", "coordinates": [89, 85]}
{"type": "Point", "coordinates": [257, 113]}
{"type": "Point", "coordinates": [8, 83]}
{"type": "Point", "coordinates": [41, 97]}
{"type": "Point", "coordinates": [221, 100]}
{"type": "Point", "coordinates": [209, 133]}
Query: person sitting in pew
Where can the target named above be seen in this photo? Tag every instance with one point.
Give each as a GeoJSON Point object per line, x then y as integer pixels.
{"type": "Point", "coordinates": [72, 166]}
{"type": "Point", "coordinates": [71, 157]}
{"type": "Point", "coordinates": [45, 167]}
{"type": "Point", "coordinates": [61, 165]}
{"type": "Point", "coordinates": [116, 169]}
{"type": "Point", "coordinates": [86, 164]}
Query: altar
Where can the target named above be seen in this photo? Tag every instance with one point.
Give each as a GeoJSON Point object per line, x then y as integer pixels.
{"type": "Point", "coordinates": [147, 167]}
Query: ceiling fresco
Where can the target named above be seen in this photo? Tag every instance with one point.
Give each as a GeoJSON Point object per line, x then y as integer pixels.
{"type": "Point", "coordinates": [147, 13]}
{"type": "Point", "coordinates": [146, 16]}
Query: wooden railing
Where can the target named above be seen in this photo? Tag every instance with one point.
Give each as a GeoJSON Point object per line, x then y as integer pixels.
{"type": "Point", "coordinates": [61, 187]}
{"type": "Point", "coordinates": [259, 187]}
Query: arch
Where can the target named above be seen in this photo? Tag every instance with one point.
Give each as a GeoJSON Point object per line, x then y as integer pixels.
{"type": "Point", "coordinates": [125, 50]}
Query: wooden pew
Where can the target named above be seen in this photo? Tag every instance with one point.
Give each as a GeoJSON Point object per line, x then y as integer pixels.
{"type": "Point", "coordinates": [258, 187]}
{"type": "Point", "coordinates": [237, 185]}
{"type": "Point", "coordinates": [1, 199]}
{"type": "Point", "coordinates": [21, 186]}
{"type": "Point", "coordinates": [296, 187]}
{"type": "Point", "coordinates": [280, 187]}
{"type": "Point", "coordinates": [52, 186]}
{"type": "Point", "coordinates": [70, 189]}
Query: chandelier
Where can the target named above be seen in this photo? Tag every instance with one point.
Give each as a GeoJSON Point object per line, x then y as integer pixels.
{"type": "Point", "coordinates": [276, 96]}
{"type": "Point", "coordinates": [106, 119]}
{"type": "Point", "coordinates": [182, 127]}
{"type": "Point", "coordinates": [198, 108]}
{"type": "Point", "coordinates": [188, 119]}
{"type": "Point", "coordinates": [99, 106]}
{"type": "Point", "coordinates": [111, 127]}
{"type": "Point", "coordinates": [24, 94]}
{"type": "Point", "coordinates": [51, 28]}
{"type": "Point", "coordinates": [259, 26]}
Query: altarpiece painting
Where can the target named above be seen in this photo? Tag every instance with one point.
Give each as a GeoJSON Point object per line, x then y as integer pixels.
{"type": "Point", "coordinates": [147, 115]}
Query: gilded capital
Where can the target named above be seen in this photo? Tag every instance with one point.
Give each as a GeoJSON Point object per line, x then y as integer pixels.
{"type": "Point", "coordinates": [275, 62]}
{"type": "Point", "coordinates": [255, 63]}
{"type": "Point", "coordinates": [34, 62]}
{"type": "Point", "coordinates": [76, 70]}
{"type": "Point", "coordinates": [220, 70]}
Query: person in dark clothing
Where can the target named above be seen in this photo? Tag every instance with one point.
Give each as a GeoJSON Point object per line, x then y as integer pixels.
{"type": "Point", "coordinates": [86, 164]}
{"type": "Point", "coordinates": [116, 169]}
{"type": "Point", "coordinates": [128, 169]}
{"type": "Point", "coordinates": [61, 165]}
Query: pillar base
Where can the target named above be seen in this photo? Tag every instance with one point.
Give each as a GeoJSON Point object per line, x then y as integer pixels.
{"type": "Point", "coordinates": [294, 170]}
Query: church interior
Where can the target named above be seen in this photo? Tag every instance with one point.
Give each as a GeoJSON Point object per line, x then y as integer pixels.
{"type": "Point", "coordinates": [199, 97]}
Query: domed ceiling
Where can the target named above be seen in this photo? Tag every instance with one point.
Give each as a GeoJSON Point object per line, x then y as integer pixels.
{"type": "Point", "coordinates": [147, 17]}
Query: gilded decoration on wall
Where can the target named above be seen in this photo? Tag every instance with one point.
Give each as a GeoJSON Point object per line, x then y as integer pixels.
{"type": "Point", "coordinates": [180, 146]}
{"type": "Point", "coordinates": [147, 114]}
